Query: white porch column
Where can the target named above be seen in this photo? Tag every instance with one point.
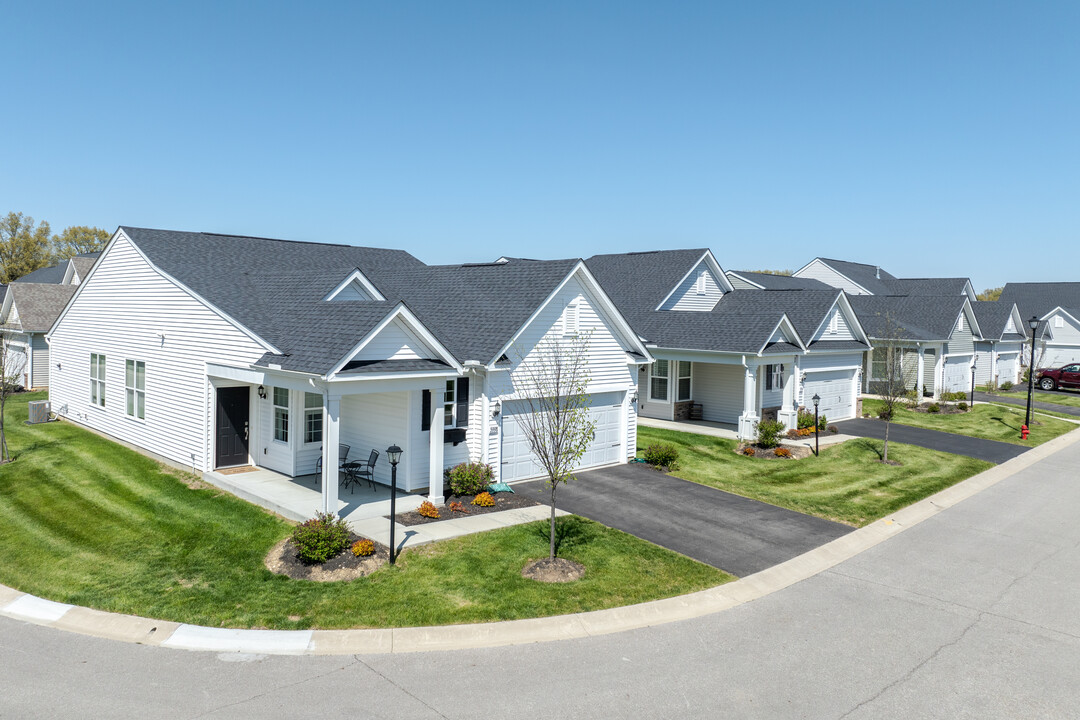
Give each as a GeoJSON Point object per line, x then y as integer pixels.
{"type": "Point", "coordinates": [435, 446]}
{"type": "Point", "coordinates": [939, 371]}
{"type": "Point", "coordinates": [919, 383]}
{"type": "Point", "coordinates": [331, 440]}
{"type": "Point", "coordinates": [749, 417]}
{"type": "Point", "coordinates": [788, 413]}
{"type": "Point", "coordinates": [993, 361]}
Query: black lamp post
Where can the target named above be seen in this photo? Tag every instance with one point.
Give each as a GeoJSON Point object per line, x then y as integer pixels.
{"type": "Point", "coordinates": [817, 445]}
{"type": "Point", "coordinates": [1033, 323]}
{"type": "Point", "coordinates": [973, 364]}
{"type": "Point", "coordinates": [393, 453]}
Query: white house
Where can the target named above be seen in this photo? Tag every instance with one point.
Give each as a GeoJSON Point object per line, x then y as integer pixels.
{"type": "Point", "coordinates": [217, 351]}
{"type": "Point", "coordinates": [27, 312]}
{"type": "Point", "coordinates": [734, 356]}
{"type": "Point", "coordinates": [1059, 334]}
{"type": "Point", "coordinates": [998, 354]}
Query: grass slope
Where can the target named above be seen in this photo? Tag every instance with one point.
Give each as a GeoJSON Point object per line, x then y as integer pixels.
{"type": "Point", "coordinates": [991, 422]}
{"type": "Point", "coordinates": [847, 482]}
{"type": "Point", "coordinates": [86, 521]}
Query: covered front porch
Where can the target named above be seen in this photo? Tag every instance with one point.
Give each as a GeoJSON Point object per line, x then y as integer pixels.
{"type": "Point", "coordinates": [278, 437]}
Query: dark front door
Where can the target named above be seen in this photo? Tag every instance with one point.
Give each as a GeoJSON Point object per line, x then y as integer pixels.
{"type": "Point", "coordinates": [232, 427]}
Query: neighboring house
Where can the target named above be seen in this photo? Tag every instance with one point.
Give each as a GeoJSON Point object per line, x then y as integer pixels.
{"type": "Point", "coordinates": [739, 355]}
{"type": "Point", "coordinates": [26, 314]}
{"type": "Point", "coordinates": [937, 335]}
{"type": "Point", "coordinates": [69, 272]}
{"type": "Point", "coordinates": [997, 355]}
{"type": "Point", "coordinates": [1060, 338]}
{"type": "Point", "coordinates": [217, 351]}
{"type": "Point", "coordinates": [1055, 305]}
{"type": "Point", "coordinates": [861, 279]}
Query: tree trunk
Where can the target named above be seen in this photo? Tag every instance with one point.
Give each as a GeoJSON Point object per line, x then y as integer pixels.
{"type": "Point", "coordinates": [885, 453]}
{"type": "Point", "coordinates": [552, 534]}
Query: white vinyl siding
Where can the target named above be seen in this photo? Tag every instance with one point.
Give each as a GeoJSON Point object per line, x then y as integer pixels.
{"type": "Point", "coordinates": [719, 389]}
{"type": "Point", "coordinates": [739, 284]}
{"type": "Point", "coordinates": [835, 327]}
{"type": "Point", "coordinates": [39, 371]}
{"type": "Point", "coordinates": [818, 270]}
{"type": "Point", "coordinates": [127, 309]}
{"type": "Point", "coordinates": [135, 388]}
{"type": "Point", "coordinates": [699, 291]}
{"type": "Point", "coordinates": [394, 342]}
{"type": "Point", "coordinates": [962, 341]}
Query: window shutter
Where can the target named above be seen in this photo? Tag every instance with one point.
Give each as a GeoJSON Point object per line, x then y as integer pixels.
{"type": "Point", "coordinates": [425, 411]}
{"type": "Point", "coordinates": [463, 402]}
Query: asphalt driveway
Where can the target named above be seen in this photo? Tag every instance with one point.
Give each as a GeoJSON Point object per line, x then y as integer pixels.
{"type": "Point", "coordinates": [730, 532]}
{"type": "Point", "coordinates": [990, 450]}
{"type": "Point", "coordinates": [1021, 401]}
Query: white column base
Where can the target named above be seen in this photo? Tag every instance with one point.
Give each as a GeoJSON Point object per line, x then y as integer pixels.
{"type": "Point", "coordinates": [748, 426]}
{"type": "Point", "coordinates": [790, 418]}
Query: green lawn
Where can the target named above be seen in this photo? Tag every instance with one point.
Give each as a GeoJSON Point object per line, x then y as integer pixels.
{"type": "Point", "coordinates": [1067, 398]}
{"type": "Point", "coordinates": [86, 521]}
{"type": "Point", "coordinates": [992, 422]}
{"type": "Point", "coordinates": [847, 482]}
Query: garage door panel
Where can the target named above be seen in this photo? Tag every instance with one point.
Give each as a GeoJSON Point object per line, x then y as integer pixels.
{"type": "Point", "coordinates": [607, 446]}
{"type": "Point", "coordinates": [835, 390]}
{"type": "Point", "coordinates": [957, 374]}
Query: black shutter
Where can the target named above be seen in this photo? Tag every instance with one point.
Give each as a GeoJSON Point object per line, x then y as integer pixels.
{"type": "Point", "coordinates": [463, 402]}
{"type": "Point", "coordinates": [425, 411]}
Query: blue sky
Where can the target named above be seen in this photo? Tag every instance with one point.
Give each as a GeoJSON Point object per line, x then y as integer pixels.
{"type": "Point", "coordinates": [930, 138]}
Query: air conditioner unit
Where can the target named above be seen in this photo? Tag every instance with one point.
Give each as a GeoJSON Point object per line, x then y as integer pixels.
{"type": "Point", "coordinates": [39, 412]}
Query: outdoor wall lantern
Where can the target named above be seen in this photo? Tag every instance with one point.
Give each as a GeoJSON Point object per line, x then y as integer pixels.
{"type": "Point", "coordinates": [262, 393]}
{"type": "Point", "coordinates": [496, 409]}
{"type": "Point", "coordinates": [393, 454]}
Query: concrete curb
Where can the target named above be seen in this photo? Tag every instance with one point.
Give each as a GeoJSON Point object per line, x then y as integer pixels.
{"type": "Point", "coordinates": [127, 628]}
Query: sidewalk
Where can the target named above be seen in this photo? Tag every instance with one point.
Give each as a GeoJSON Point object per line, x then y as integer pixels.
{"type": "Point", "coordinates": [407, 536]}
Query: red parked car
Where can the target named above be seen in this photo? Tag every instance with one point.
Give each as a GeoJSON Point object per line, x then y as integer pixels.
{"type": "Point", "coordinates": [1065, 377]}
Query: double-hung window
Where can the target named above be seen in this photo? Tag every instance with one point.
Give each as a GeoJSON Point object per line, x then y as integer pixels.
{"type": "Point", "coordinates": [774, 377]}
{"type": "Point", "coordinates": [135, 385]}
{"type": "Point", "coordinates": [313, 417]}
{"type": "Point", "coordinates": [684, 381]}
{"type": "Point", "coordinates": [449, 404]}
{"type": "Point", "coordinates": [659, 382]}
{"type": "Point", "coordinates": [281, 414]}
{"type": "Point", "coordinates": [97, 379]}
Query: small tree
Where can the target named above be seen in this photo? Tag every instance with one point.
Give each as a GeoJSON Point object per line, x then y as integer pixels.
{"type": "Point", "coordinates": [552, 381]}
{"type": "Point", "coordinates": [13, 365]}
{"type": "Point", "coordinates": [891, 386]}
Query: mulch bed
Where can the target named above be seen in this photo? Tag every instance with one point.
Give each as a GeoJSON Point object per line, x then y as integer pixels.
{"type": "Point", "coordinates": [558, 570]}
{"type": "Point", "coordinates": [503, 501]}
{"type": "Point", "coordinates": [282, 560]}
{"type": "Point", "coordinates": [797, 452]}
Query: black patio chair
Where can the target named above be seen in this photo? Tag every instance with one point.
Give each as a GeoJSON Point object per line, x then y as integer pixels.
{"type": "Point", "coordinates": [357, 471]}
{"type": "Point", "coordinates": [343, 458]}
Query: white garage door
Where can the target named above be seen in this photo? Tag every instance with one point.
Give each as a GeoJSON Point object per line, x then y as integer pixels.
{"type": "Point", "coordinates": [1007, 368]}
{"type": "Point", "coordinates": [834, 389]}
{"type": "Point", "coordinates": [957, 374]}
{"type": "Point", "coordinates": [607, 447]}
{"type": "Point", "coordinates": [16, 362]}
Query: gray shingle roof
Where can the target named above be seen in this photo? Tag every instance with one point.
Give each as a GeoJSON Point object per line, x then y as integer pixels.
{"type": "Point", "coordinates": [782, 282]}
{"type": "Point", "coordinates": [83, 263]}
{"type": "Point", "coordinates": [1040, 298]}
{"type": "Point", "coordinates": [927, 286]}
{"type": "Point", "coordinates": [910, 317]}
{"type": "Point", "coordinates": [39, 304]}
{"type": "Point", "coordinates": [992, 317]}
{"type": "Point", "coordinates": [641, 280]}
{"type": "Point", "coordinates": [871, 277]}
{"type": "Point", "coordinates": [276, 288]}
{"type": "Point", "coordinates": [52, 275]}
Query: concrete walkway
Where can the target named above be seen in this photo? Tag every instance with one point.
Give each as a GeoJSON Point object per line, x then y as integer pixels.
{"type": "Point", "coordinates": [989, 450]}
{"type": "Point", "coordinates": [730, 532]}
{"type": "Point", "coordinates": [1021, 401]}
{"type": "Point", "coordinates": [723, 430]}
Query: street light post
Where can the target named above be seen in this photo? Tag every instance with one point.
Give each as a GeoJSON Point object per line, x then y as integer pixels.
{"type": "Point", "coordinates": [973, 364]}
{"type": "Point", "coordinates": [1033, 323]}
{"type": "Point", "coordinates": [393, 453]}
{"type": "Point", "coordinates": [817, 444]}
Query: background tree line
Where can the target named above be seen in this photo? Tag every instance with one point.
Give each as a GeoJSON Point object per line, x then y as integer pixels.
{"type": "Point", "coordinates": [26, 246]}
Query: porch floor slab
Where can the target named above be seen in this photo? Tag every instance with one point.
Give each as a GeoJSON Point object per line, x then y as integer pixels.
{"type": "Point", "coordinates": [299, 498]}
{"type": "Point", "coordinates": [701, 427]}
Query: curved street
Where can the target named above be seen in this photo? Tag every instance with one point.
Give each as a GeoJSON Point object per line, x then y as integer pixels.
{"type": "Point", "coordinates": [971, 613]}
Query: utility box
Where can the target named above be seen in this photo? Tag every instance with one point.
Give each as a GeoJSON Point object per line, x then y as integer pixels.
{"type": "Point", "coordinates": [39, 412]}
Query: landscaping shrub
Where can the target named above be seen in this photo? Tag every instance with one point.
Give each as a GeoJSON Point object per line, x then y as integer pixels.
{"type": "Point", "coordinates": [934, 408]}
{"type": "Point", "coordinates": [792, 434]}
{"type": "Point", "coordinates": [768, 433]}
{"type": "Point", "coordinates": [833, 429]}
{"type": "Point", "coordinates": [661, 454]}
{"type": "Point", "coordinates": [1007, 385]}
{"type": "Point", "coordinates": [748, 451]}
{"type": "Point", "coordinates": [782, 452]}
{"type": "Point", "coordinates": [992, 386]}
{"type": "Point", "coordinates": [428, 510]}
{"type": "Point", "coordinates": [806, 419]}
{"type": "Point", "coordinates": [469, 478]}
{"type": "Point", "coordinates": [805, 432]}
{"type": "Point", "coordinates": [457, 507]}
{"type": "Point", "coordinates": [484, 499]}
{"type": "Point", "coordinates": [822, 423]}
{"type": "Point", "coordinates": [320, 538]}
{"type": "Point", "coordinates": [886, 413]}
{"type": "Point", "coordinates": [363, 548]}
{"type": "Point", "coordinates": [962, 407]}
{"type": "Point", "coordinates": [953, 396]}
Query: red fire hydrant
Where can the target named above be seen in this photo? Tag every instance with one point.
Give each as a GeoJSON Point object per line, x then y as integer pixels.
{"type": "Point", "coordinates": [1023, 432]}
